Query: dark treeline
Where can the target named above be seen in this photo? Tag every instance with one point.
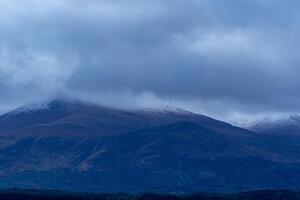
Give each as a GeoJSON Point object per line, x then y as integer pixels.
{"type": "Point", "coordinates": [57, 195]}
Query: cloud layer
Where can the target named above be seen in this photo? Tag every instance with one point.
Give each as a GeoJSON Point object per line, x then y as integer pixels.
{"type": "Point", "coordinates": [222, 58]}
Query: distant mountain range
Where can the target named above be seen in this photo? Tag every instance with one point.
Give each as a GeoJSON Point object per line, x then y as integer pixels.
{"type": "Point", "coordinates": [287, 125]}
{"type": "Point", "coordinates": [70, 145]}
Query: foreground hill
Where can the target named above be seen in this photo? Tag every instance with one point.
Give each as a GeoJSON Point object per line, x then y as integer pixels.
{"type": "Point", "coordinates": [82, 147]}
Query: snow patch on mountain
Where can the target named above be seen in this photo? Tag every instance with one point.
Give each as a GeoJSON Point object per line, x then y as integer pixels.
{"type": "Point", "coordinates": [273, 123]}
{"type": "Point", "coordinates": [164, 110]}
{"type": "Point", "coordinates": [30, 108]}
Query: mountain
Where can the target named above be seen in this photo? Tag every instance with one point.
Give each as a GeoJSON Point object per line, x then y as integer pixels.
{"type": "Point", "coordinates": [288, 125]}
{"type": "Point", "coordinates": [83, 147]}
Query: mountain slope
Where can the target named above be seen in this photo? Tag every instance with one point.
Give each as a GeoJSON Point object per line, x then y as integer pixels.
{"type": "Point", "coordinates": [84, 147]}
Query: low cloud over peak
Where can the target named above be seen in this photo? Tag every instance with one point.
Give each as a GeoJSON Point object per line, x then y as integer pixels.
{"type": "Point", "coordinates": [218, 58]}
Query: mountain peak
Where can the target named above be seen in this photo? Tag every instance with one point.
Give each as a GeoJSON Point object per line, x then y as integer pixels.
{"type": "Point", "coordinates": [33, 107]}
{"type": "Point", "coordinates": [65, 103]}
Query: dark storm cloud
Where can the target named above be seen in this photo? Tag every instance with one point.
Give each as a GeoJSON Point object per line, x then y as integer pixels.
{"type": "Point", "coordinates": [212, 56]}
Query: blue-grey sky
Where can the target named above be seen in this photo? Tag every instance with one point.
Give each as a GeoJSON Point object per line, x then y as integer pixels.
{"type": "Point", "coordinates": [221, 58]}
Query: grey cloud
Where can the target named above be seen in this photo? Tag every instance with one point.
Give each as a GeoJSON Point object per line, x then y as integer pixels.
{"type": "Point", "coordinates": [216, 57]}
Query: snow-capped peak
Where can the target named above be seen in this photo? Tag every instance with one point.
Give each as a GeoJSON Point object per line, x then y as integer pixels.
{"type": "Point", "coordinates": [29, 108]}
{"type": "Point", "coordinates": [32, 107]}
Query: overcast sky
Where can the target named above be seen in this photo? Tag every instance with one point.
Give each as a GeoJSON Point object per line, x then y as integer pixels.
{"type": "Point", "coordinates": [218, 57]}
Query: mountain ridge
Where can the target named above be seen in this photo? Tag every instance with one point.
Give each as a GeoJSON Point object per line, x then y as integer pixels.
{"type": "Point", "coordinates": [83, 147]}
{"type": "Point", "coordinates": [89, 117]}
